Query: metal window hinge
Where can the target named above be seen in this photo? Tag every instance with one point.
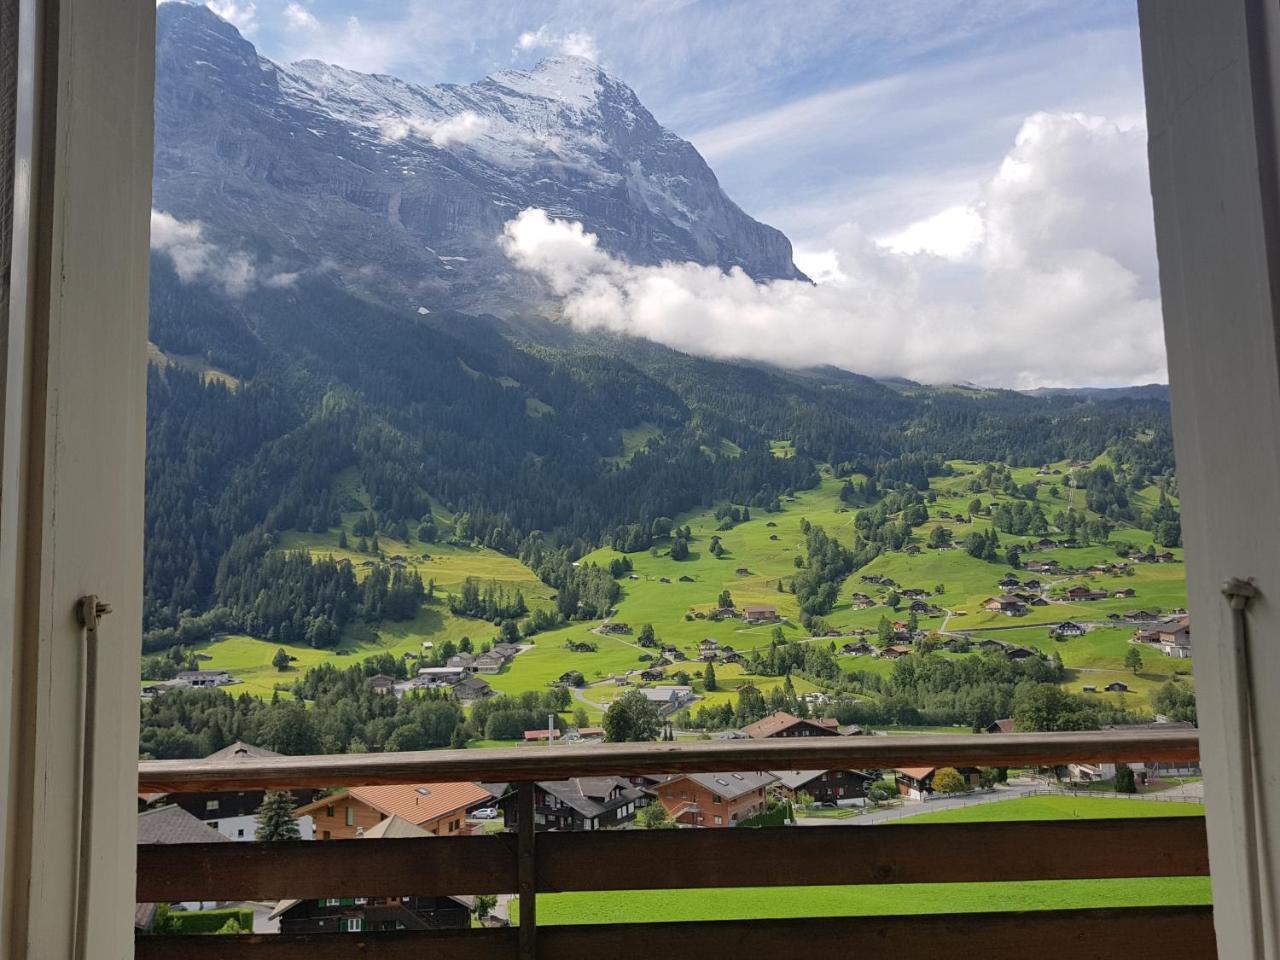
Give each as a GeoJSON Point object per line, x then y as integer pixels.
{"type": "Point", "coordinates": [89, 610]}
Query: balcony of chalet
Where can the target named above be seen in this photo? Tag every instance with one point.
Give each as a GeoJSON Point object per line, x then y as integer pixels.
{"type": "Point", "coordinates": [528, 863]}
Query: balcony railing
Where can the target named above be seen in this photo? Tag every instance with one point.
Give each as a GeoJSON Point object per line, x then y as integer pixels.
{"type": "Point", "coordinates": [530, 863]}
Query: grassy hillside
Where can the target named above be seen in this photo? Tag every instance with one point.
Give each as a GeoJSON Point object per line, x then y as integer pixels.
{"type": "Point", "coordinates": [756, 567]}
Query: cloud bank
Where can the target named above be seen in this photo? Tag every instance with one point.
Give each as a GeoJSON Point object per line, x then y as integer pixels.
{"type": "Point", "coordinates": [1047, 278]}
{"type": "Point", "coordinates": [197, 260]}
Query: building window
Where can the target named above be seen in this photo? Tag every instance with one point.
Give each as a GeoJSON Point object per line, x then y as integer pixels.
{"type": "Point", "coordinates": [351, 817]}
{"type": "Point", "coordinates": [328, 811]}
{"type": "Point", "coordinates": [326, 835]}
{"type": "Point", "coordinates": [353, 925]}
{"type": "Point", "coordinates": [719, 820]}
{"type": "Point", "coordinates": [210, 806]}
{"type": "Point", "coordinates": [332, 902]}
{"type": "Point", "coordinates": [361, 901]}
{"type": "Point", "coordinates": [716, 799]}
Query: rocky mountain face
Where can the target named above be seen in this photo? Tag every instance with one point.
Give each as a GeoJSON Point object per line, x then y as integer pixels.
{"type": "Point", "coordinates": [398, 191]}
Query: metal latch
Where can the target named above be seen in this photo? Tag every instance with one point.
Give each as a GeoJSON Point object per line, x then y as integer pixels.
{"type": "Point", "coordinates": [89, 610]}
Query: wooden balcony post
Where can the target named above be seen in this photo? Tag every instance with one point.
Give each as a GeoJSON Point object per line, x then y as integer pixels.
{"type": "Point", "coordinates": [527, 872]}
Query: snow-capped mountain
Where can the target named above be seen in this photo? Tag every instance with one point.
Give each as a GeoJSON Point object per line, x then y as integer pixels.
{"type": "Point", "coordinates": [399, 191]}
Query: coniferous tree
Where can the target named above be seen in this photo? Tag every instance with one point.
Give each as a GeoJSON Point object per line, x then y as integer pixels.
{"type": "Point", "coordinates": [275, 817]}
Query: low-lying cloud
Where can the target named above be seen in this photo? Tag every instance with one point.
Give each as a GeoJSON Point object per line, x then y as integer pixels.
{"type": "Point", "coordinates": [1047, 278]}
{"type": "Point", "coordinates": [575, 43]}
{"type": "Point", "coordinates": [197, 260]}
{"type": "Point", "coordinates": [460, 128]}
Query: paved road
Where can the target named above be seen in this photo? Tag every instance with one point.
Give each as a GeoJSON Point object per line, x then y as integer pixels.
{"type": "Point", "coordinates": [1009, 791]}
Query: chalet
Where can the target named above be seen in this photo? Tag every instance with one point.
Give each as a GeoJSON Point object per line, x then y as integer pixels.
{"type": "Point", "coordinates": [894, 652]}
{"type": "Point", "coordinates": [1031, 584]}
{"type": "Point", "coordinates": [1038, 602]}
{"type": "Point", "coordinates": [1019, 654]}
{"type": "Point", "coordinates": [615, 626]}
{"type": "Point", "coordinates": [446, 676]}
{"type": "Point", "coordinates": [205, 678]}
{"type": "Point", "coordinates": [1175, 639]}
{"type": "Point", "coordinates": [1089, 688]}
{"type": "Point", "coordinates": [825, 786]}
{"type": "Point", "coordinates": [732, 657]}
{"type": "Point", "coordinates": [233, 814]}
{"type": "Point", "coordinates": [1124, 592]}
{"type": "Point", "coordinates": [1166, 557]}
{"type": "Point", "coordinates": [988, 645]}
{"type": "Point", "coordinates": [783, 724]}
{"type": "Point", "coordinates": [489, 663]}
{"type": "Point", "coordinates": [1146, 636]}
{"type": "Point", "coordinates": [653, 675]}
{"type": "Point", "coordinates": [1140, 616]}
{"type": "Point", "coordinates": [919, 606]}
{"type": "Point", "coordinates": [1044, 543]}
{"type": "Point", "coordinates": [1070, 543]}
{"type": "Point", "coordinates": [541, 736]}
{"type": "Point", "coordinates": [708, 645]}
{"type": "Point", "coordinates": [668, 699]}
{"type": "Point", "coordinates": [583, 804]}
{"type": "Point", "coordinates": [1117, 686]}
{"type": "Point", "coordinates": [1081, 592]}
{"type": "Point", "coordinates": [1068, 628]}
{"type": "Point", "coordinates": [381, 683]}
{"type": "Point", "coordinates": [1042, 566]}
{"type": "Point", "coordinates": [863, 602]}
{"type": "Point", "coordinates": [438, 808]}
{"type": "Point", "coordinates": [1007, 581]}
{"type": "Point", "coordinates": [505, 650]}
{"type": "Point", "coordinates": [469, 691]}
{"type": "Point", "coordinates": [715, 799]}
{"type": "Point", "coordinates": [760, 614]}
{"type": "Point", "coordinates": [915, 593]}
{"type": "Point", "coordinates": [1008, 605]}
{"type": "Point", "coordinates": [461, 661]}
{"type": "Point", "coordinates": [1002, 726]}
{"type": "Point", "coordinates": [367, 914]}
{"type": "Point", "coordinates": [916, 783]}
{"type": "Point", "coordinates": [581, 646]}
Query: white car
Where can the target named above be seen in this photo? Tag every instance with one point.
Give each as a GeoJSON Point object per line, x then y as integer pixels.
{"type": "Point", "coordinates": [485, 813]}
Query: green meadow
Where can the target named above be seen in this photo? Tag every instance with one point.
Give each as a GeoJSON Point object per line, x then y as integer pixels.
{"type": "Point", "coordinates": [758, 561]}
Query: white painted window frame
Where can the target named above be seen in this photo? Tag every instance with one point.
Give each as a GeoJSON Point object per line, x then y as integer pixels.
{"type": "Point", "coordinates": [71, 484]}
{"type": "Point", "coordinates": [1211, 90]}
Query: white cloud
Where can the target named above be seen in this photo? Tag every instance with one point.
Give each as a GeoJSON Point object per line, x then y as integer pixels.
{"type": "Point", "coordinates": [196, 259]}
{"type": "Point", "coordinates": [576, 43]}
{"type": "Point", "coordinates": [953, 233]}
{"type": "Point", "coordinates": [299, 17]}
{"type": "Point", "coordinates": [242, 15]}
{"type": "Point", "coordinates": [1046, 278]}
{"type": "Point", "coordinates": [461, 128]}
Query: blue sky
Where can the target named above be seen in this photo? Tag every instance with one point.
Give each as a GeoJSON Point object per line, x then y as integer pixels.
{"type": "Point", "coordinates": [966, 179]}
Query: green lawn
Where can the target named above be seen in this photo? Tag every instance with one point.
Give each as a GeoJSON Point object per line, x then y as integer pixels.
{"type": "Point", "coordinates": [755, 903]}
{"type": "Point", "coordinates": [1058, 808]}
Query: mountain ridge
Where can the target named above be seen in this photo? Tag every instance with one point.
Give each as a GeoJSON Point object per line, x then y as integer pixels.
{"type": "Point", "coordinates": [401, 190]}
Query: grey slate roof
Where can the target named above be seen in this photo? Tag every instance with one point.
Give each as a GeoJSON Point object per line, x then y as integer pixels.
{"type": "Point", "coordinates": [174, 825]}
{"type": "Point", "coordinates": [730, 785]}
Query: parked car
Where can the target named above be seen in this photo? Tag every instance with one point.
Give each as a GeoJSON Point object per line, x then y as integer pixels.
{"type": "Point", "coordinates": [485, 813]}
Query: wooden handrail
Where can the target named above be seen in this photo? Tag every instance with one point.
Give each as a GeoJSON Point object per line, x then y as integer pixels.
{"type": "Point", "coordinates": [561, 762]}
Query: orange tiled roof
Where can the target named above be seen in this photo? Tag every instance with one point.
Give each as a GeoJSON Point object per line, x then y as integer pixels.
{"type": "Point", "coordinates": [416, 802]}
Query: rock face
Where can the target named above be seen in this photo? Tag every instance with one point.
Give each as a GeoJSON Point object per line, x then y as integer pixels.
{"type": "Point", "coordinates": [399, 191]}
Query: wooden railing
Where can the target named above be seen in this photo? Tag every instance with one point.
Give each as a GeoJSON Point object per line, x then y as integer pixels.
{"type": "Point", "coordinates": [529, 863]}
